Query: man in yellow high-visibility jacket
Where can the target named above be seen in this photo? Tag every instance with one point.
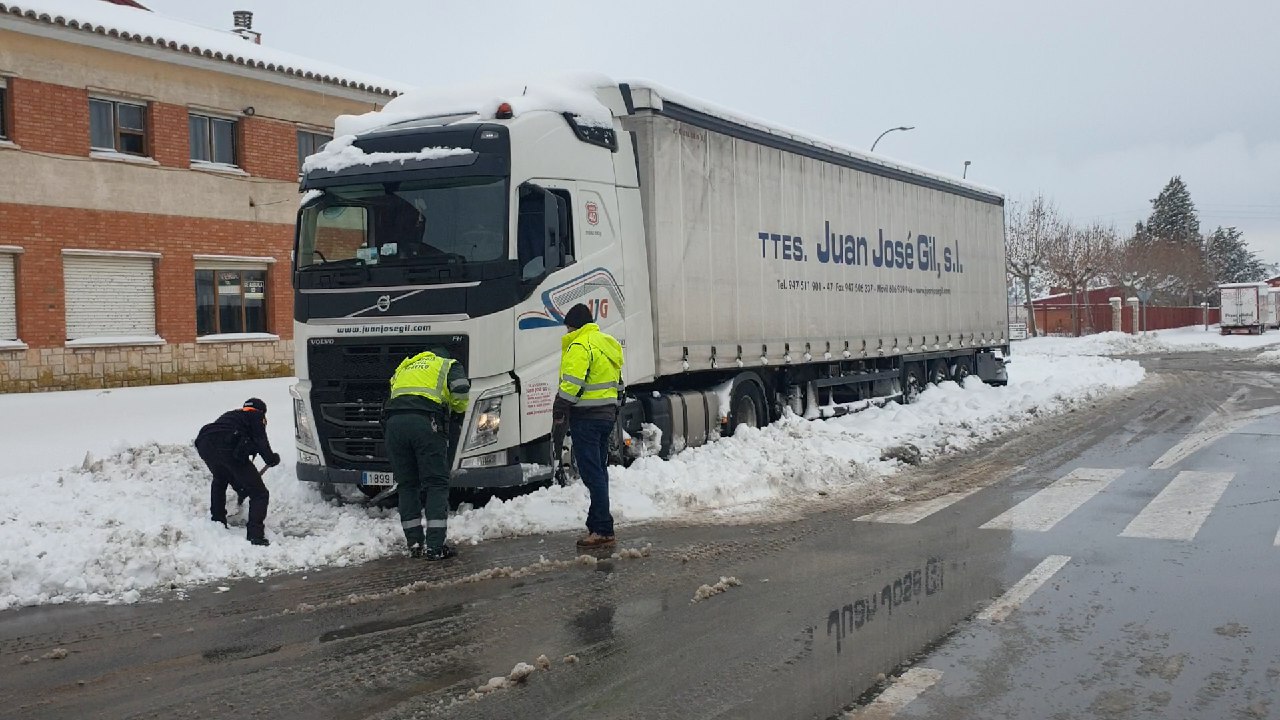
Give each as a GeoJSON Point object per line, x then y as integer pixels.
{"type": "Point", "coordinates": [590, 382]}
{"type": "Point", "coordinates": [426, 390]}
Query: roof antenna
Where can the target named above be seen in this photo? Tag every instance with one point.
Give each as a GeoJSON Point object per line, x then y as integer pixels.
{"type": "Point", "coordinates": [525, 91]}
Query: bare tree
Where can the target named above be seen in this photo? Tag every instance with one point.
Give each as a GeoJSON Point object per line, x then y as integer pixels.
{"type": "Point", "coordinates": [1029, 230]}
{"type": "Point", "coordinates": [1077, 258]}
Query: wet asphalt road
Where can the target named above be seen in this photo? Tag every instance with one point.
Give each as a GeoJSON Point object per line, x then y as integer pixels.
{"type": "Point", "coordinates": [1127, 626]}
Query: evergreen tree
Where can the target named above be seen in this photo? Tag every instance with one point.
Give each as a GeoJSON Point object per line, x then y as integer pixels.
{"type": "Point", "coordinates": [1230, 259]}
{"type": "Point", "coordinates": [1173, 215]}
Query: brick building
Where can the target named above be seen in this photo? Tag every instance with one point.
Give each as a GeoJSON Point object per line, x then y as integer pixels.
{"type": "Point", "coordinates": [148, 189]}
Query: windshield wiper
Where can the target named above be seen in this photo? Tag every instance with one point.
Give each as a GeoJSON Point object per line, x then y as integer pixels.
{"type": "Point", "coordinates": [332, 264]}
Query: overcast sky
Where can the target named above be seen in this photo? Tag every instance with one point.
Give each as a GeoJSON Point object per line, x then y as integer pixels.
{"type": "Point", "coordinates": [1096, 103]}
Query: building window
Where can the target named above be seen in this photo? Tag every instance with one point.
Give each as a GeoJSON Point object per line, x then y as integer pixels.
{"type": "Point", "coordinates": [8, 298]}
{"type": "Point", "coordinates": [110, 295]}
{"type": "Point", "coordinates": [4, 112]}
{"type": "Point", "coordinates": [213, 140]}
{"type": "Point", "coordinates": [309, 143]}
{"type": "Point", "coordinates": [231, 301]}
{"type": "Point", "coordinates": [118, 126]}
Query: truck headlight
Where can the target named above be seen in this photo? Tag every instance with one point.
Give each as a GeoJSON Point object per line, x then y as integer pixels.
{"type": "Point", "coordinates": [486, 417]}
{"type": "Point", "coordinates": [303, 433]}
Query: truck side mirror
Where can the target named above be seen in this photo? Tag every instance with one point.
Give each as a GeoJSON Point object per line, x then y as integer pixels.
{"type": "Point", "coordinates": [554, 252]}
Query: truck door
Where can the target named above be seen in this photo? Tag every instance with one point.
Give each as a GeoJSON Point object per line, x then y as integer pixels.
{"type": "Point", "coordinates": [587, 269]}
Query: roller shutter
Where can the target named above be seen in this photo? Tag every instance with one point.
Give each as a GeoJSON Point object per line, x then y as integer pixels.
{"type": "Point", "coordinates": [8, 299]}
{"type": "Point", "coordinates": [109, 296]}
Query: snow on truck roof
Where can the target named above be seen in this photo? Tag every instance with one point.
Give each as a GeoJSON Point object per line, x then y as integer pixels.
{"type": "Point", "coordinates": [583, 95]}
{"type": "Point", "coordinates": [138, 25]}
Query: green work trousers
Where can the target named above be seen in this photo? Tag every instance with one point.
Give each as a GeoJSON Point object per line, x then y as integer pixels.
{"type": "Point", "coordinates": [417, 444]}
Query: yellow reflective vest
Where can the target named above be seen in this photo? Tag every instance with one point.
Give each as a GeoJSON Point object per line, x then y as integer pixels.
{"type": "Point", "coordinates": [428, 375]}
{"type": "Point", "coordinates": [590, 367]}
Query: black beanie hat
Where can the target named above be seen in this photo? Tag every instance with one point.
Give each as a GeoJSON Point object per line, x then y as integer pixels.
{"type": "Point", "coordinates": [578, 316]}
{"type": "Point", "coordinates": [256, 404]}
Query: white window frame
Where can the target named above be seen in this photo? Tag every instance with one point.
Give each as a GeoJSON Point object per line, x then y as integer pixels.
{"type": "Point", "coordinates": [15, 343]}
{"type": "Point", "coordinates": [237, 152]}
{"type": "Point", "coordinates": [109, 340]}
{"type": "Point", "coordinates": [114, 153]}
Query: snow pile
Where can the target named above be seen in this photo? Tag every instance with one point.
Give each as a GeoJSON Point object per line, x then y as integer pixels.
{"type": "Point", "coordinates": [340, 154]}
{"type": "Point", "coordinates": [1268, 357]}
{"type": "Point", "coordinates": [137, 518]}
{"type": "Point", "coordinates": [705, 592]}
{"type": "Point", "coordinates": [1193, 338]}
{"type": "Point", "coordinates": [794, 458]}
{"type": "Point", "coordinates": [573, 94]}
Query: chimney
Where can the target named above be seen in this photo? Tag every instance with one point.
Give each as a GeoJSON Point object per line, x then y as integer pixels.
{"type": "Point", "coordinates": [243, 26]}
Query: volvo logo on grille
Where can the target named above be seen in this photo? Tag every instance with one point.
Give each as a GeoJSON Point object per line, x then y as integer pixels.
{"type": "Point", "coordinates": [384, 303]}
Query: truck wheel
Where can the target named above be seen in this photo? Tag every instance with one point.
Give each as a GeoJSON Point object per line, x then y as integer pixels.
{"type": "Point", "coordinates": [961, 371]}
{"type": "Point", "coordinates": [746, 406]}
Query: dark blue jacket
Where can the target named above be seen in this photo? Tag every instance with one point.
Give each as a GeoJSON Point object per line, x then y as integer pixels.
{"type": "Point", "coordinates": [244, 432]}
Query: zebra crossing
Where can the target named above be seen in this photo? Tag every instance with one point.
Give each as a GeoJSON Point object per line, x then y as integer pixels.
{"type": "Point", "coordinates": [1177, 512]}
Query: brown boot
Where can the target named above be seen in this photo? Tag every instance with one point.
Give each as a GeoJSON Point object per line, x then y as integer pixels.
{"type": "Point", "coordinates": [592, 540]}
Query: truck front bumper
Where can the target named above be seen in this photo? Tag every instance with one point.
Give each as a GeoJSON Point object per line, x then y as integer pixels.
{"type": "Point", "coordinates": [501, 476]}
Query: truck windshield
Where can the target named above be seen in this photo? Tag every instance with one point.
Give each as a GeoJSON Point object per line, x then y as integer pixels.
{"type": "Point", "coordinates": [422, 222]}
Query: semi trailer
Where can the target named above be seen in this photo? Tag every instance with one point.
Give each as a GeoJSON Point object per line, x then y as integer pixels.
{"type": "Point", "coordinates": [1248, 307]}
{"type": "Point", "coordinates": [748, 270]}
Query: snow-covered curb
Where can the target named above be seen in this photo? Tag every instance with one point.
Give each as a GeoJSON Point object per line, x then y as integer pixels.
{"type": "Point", "coordinates": [1185, 339]}
{"type": "Point", "coordinates": [136, 520]}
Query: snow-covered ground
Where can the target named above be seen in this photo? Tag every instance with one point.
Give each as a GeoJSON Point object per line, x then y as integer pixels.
{"type": "Point", "coordinates": [133, 516]}
{"type": "Point", "coordinates": [1193, 338]}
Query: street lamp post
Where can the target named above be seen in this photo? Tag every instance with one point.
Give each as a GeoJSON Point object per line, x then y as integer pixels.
{"type": "Point", "coordinates": [886, 132]}
{"type": "Point", "coordinates": [967, 163]}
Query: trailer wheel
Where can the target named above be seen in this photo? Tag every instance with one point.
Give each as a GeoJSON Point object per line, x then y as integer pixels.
{"type": "Point", "coordinates": [961, 371]}
{"type": "Point", "coordinates": [746, 406]}
{"type": "Point", "coordinates": [912, 382]}
{"type": "Point", "coordinates": [937, 372]}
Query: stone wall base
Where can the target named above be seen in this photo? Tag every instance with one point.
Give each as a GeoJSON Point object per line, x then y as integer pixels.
{"type": "Point", "coordinates": [61, 368]}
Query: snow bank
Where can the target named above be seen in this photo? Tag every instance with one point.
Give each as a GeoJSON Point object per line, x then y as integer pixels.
{"type": "Point", "coordinates": [134, 518]}
{"type": "Point", "coordinates": [1193, 338]}
{"type": "Point", "coordinates": [138, 520]}
{"type": "Point", "coordinates": [573, 93]}
{"type": "Point", "coordinates": [795, 458]}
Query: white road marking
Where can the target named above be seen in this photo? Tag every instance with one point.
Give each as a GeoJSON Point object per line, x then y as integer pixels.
{"type": "Point", "coordinates": [1181, 508]}
{"type": "Point", "coordinates": [913, 511]}
{"type": "Point", "coordinates": [1210, 430]}
{"type": "Point", "coordinates": [895, 697]}
{"type": "Point", "coordinates": [910, 512]}
{"type": "Point", "coordinates": [1016, 595]}
{"type": "Point", "coordinates": [1049, 506]}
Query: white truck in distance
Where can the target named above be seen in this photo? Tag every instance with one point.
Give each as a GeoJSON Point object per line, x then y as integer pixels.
{"type": "Point", "coordinates": [748, 271]}
{"type": "Point", "coordinates": [1247, 306]}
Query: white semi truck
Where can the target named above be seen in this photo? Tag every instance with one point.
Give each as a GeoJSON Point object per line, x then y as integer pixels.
{"type": "Point", "coordinates": [747, 270]}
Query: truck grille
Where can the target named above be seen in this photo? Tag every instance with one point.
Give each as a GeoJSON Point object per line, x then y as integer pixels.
{"type": "Point", "coordinates": [350, 381]}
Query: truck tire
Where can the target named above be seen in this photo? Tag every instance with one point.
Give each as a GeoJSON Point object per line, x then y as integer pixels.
{"type": "Point", "coordinates": [912, 382]}
{"type": "Point", "coordinates": [961, 371]}
{"type": "Point", "coordinates": [938, 372]}
{"type": "Point", "coordinates": [746, 405]}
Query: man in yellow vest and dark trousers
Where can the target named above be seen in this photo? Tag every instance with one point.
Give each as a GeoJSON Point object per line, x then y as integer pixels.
{"type": "Point", "coordinates": [426, 391]}
{"type": "Point", "coordinates": [590, 382]}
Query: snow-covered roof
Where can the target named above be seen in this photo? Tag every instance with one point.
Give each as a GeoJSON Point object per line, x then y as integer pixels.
{"type": "Point", "coordinates": [136, 25]}
{"type": "Point", "coordinates": [571, 93]}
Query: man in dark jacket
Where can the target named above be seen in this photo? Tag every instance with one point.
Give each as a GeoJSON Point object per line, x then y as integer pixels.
{"type": "Point", "coordinates": [227, 445]}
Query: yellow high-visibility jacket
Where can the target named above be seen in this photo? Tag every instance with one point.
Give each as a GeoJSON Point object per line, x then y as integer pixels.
{"type": "Point", "coordinates": [590, 368]}
{"type": "Point", "coordinates": [427, 375]}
